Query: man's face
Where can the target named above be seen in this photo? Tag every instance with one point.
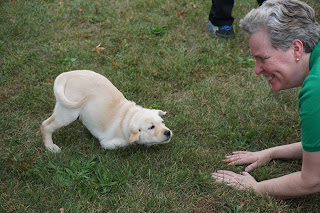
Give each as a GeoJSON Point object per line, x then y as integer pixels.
{"type": "Point", "coordinates": [279, 67]}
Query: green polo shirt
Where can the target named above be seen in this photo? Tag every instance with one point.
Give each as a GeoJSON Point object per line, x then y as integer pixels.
{"type": "Point", "coordinates": [309, 104]}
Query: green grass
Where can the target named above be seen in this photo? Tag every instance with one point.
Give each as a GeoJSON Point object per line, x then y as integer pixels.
{"type": "Point", "coordinates": [215, 105]}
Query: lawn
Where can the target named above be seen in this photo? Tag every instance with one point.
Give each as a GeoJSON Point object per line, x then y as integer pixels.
{"type": "Point", "coordinates": [160, 54]}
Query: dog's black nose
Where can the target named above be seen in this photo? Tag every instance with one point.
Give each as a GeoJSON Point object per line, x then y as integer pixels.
{"type": "Point", "coordinates": [167, 133]}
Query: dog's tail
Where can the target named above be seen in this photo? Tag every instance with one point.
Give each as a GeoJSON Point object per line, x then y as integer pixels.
{"type": "Point", "coordinates": [59, 91]}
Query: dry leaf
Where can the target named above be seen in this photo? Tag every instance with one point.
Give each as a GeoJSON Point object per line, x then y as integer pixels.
{"type": "Point", "coordinates": [98, 49]}
{"type": "Point", "coordinates": [25, 165]}
{"type": "Point", "coordinates": [88, 36]}
{"type": "Point", "coordinates": [221, 115]}
{"type": "Point", "coordinates": [193, 5]}
{"type": "Point", "coordinates": [49, 80]}
{"type": "Point", "coordinates": [80, 10]}
{"type": "Point", "coordinates": [62, 210]}
{"type": "Point", "coordinates": [181, 13]}
{"type": "Point", "coordinates": [114, 64]}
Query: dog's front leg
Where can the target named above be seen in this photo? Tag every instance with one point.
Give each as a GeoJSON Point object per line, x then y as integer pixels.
{"type": "Point", "coordinates": [113, 143]}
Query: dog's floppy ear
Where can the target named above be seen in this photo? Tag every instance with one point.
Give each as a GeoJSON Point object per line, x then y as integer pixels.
{"type": "Point", "coordinates": [134, 134]}
{"type": "Point", "coordinates": [160, 112]}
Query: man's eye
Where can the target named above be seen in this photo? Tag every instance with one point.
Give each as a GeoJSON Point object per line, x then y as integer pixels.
{"type": "Point", "coordinates": [264, 59]}
{"type": "Point", "coordinates": [152, 127]}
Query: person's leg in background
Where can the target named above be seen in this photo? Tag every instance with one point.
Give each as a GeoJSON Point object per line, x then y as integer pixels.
{"type": "Point", "coordinates": [220, 18]}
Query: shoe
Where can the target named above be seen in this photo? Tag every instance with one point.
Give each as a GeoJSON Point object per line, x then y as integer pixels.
{"type": "Point", "coordinates": [222, 32]}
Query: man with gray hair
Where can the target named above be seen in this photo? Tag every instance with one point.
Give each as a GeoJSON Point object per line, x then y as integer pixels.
{"type": "Point", "coordinates": [284, 40]}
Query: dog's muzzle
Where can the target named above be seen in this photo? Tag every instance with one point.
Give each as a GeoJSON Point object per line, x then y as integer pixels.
{"type": "Point", "coordinates": [168, 133]}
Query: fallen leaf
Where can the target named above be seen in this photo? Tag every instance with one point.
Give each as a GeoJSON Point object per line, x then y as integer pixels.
{"type": "Point", "coordinates": [193, 5]}
{"type": "Point", "coordinates": [98, 49]}
{"type": "Point", "coordinates": [242, 205]}
{"type": "Point", "coordinates": [141, 192]}
{"type": "Point", "coordinates": [221, 115]}
{"type": "Point", "coordinates": [88, 36]}
{"type": "Point", "coordinates": [23, 166]}
{"type": "Point", "coordinates": [49, 80]}
{"type": "Point", "coordinates": [62, 210]}
{"type": "Point", "coordinates": [80, 10]}
{"type": "Point", "coordinates": [181, 13]}
{"type": "Point", "coordinates": [114, 64]}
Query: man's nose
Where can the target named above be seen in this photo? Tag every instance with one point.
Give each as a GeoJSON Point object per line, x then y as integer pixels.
{"type": "Point", "coordinates": [258, 68]}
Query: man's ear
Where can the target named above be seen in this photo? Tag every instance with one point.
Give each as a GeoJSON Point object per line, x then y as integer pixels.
{"type": "Point", "coordinates": [134, 134]}
{"type": "Point", "coordinates": [160, 112]}
{"type": "Point", "coordinates": [298, 48]}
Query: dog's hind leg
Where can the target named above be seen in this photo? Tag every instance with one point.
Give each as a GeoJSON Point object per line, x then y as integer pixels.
{"type": "Point", "coordinates": [61, 117]}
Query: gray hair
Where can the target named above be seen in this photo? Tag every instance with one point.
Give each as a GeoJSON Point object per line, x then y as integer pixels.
{"type": "Point", "coordinates": [285, 21]}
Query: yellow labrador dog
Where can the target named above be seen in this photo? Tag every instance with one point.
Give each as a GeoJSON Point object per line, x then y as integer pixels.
{"type": "Point", "coordinates": [102, 108]}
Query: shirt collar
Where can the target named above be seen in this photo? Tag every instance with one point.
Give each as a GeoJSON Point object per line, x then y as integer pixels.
{"type": "Point", "coordinates": [315, 55]}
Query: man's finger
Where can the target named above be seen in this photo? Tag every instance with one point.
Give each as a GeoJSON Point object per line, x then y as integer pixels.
{"type": "Point", "coordinates": [251, 167]}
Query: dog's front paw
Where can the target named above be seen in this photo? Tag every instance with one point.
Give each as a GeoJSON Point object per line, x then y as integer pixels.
{"type": "Point", "coordinates": [54, 148]}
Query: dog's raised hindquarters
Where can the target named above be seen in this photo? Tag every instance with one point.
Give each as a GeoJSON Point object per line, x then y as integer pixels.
{"type": "Point", "coordinates": [102, 108]}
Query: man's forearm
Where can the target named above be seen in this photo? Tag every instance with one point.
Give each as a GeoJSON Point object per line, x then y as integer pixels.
{"type": "Point", "coordinates": [290, 151]}
{"type": "Point", "coordinates": [285, 187]}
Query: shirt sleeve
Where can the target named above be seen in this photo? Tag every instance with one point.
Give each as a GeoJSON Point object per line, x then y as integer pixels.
{"type": "Point", "coordinates": [309, 103]}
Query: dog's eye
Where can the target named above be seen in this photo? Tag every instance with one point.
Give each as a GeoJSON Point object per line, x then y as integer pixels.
{"type": "Point", "coordinates": [162, 122]}
{"type": "Point", "coordinates": [152, 127]}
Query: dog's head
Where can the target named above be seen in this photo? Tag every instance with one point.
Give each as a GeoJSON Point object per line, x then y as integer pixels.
{"type": "Point", "coordinates": [147, 127]}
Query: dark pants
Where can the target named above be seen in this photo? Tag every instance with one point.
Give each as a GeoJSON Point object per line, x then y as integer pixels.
{"type": "Point", "coordinates": [220, 13]}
